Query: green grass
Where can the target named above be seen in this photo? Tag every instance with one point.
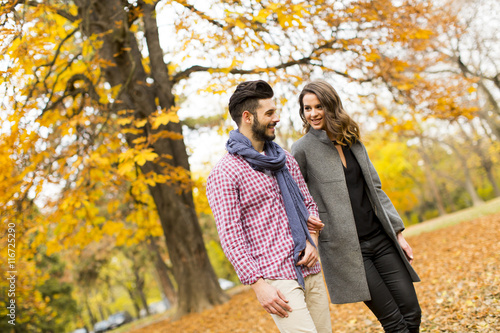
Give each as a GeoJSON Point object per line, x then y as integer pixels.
{"type": "Point", "coordinates": [142, 322]}
{"type": "Point", "coordinates": [471, 213]}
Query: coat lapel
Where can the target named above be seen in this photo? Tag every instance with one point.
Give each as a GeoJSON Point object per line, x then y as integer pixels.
{"type": "Point", "coordinates": [358, 151]}
{"type": "Point", "coordinates": [361, 155]}
{"type": "Point", "coordinates": [329, 157]}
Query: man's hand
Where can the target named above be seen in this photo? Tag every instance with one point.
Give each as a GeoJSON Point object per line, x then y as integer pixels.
{"type": "Point", "coordinates": [271, 299]}
{"type": "Point", "coordinates": [314, 224]}
{"type": "Point", "coordinates": [405, 246]}
{"type": "Point", "coordinates": [310, 256]}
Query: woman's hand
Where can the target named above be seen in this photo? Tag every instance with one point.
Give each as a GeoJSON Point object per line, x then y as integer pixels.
{"type": "Point", "coordinates": [405, 246]}
{"type": "Point", "coordinates": [314, 224]}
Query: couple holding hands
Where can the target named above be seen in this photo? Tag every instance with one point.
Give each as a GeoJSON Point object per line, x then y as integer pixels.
{"type": "Point", "coordinates": [278, 213]}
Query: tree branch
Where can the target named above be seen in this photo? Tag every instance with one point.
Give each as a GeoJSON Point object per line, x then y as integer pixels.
{"type": "Point", "coordinates": [58, 51]}
{"type": "Point", "coordinates": [60, 12]}
{"type": "Point", "coordinates": [303, 61]}
{"type": "Point", "coordinates": [72, 91]}
{"type": "Point", "coordinates": [185, 74]}
{"type": "Point", "coordinates": [50, 64]}
{"type": "Point", "coordinates": [201, 14]}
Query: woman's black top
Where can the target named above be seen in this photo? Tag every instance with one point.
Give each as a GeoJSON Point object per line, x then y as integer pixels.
{"type": "Point", "coordinates": [367, 223]}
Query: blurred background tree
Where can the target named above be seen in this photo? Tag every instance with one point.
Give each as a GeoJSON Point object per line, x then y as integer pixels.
{"type": "Point", "coordinates": [101, 118]}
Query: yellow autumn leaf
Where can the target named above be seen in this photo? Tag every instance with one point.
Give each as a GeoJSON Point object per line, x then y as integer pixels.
{"type": "Point", "coordinates": [164, 119]}
{"type": "Point", "coordinates": [262, 16]}
{"type": "Point", "coordinates": [126, 167]}
{"type": "Point", "coordinates": [113, 206]}
{"type": "Point", "coordinates": [139, 140]}
{"type": "Point", "coordinates": [126, 155]}
{"type": "Point", "coordinates": [124, 121]}
{"type": "Point", "coordinates": [53, 246]}
{"type": "Point", "coordinates": [423, 34]}
{"type": "Point", "coordinates": [121, 239]}
{"type": "Point", "coordinates": [111, 228]}
{"type": "Point", "coordinates": [150, 181]}
{"type": "Point", "coordinates": [240, 24]}
{"type": "Point", "coordinates": [145, 155]}
{"type": "Point", "coordinates": [471, 89]}
{"type": "Point", "coordinates": [140, 123]}
{"type": "Point", "coordinates": [372, 57]}
{"type": "Point", "coordinates": [115, 90]}
{"type": "Point", "coordinates": [405, 86]}
{"type": "Point", "coordinates": [103, 99]}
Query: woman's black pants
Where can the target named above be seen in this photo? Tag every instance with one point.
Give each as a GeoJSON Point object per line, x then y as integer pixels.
{"type": "Point", "coordinates": [393, 298]}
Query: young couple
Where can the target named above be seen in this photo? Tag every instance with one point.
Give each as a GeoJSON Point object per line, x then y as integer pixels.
{"type": "Point", "coordinates": [274, 211]}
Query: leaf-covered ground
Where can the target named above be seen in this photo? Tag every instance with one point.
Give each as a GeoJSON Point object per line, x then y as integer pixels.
{"type": "Point", "coordinates": [460, 290]}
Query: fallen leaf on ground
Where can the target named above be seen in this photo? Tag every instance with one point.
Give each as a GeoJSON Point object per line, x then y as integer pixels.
{"type": "Point", "coordinates": [460, 290]}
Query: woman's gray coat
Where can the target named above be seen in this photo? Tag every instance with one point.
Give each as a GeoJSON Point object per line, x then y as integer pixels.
{"type": "Point", "coordinates": [339, 247]}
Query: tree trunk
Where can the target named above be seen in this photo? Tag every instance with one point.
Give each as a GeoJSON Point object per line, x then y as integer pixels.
{"type": "Point", "coordinates": [493, 124]}
{"type": "Point", "coordinates": [469, 186]}
{"type": "Point", "coordinates": [110, 290]}
{"type": "Point", "coordinates": [468, 183]}
{"type": "Point", "coordinates": [139, 285]}
{"type": "Point", "coordinates": [484, 156]}
{"type": "Point", "coordinates": [432, 183]}
{"type": "Point", "coordinates": [137, 308]}
{"type": "Point", "coordinates": [102, 312]}
{"type": "Point", "coordinates": [489, 173]}
{"type": "Point", "coordinates": [89, 310]}
{"type": "Point", "coordinates": [198, 285]}
{"type": "Point", "coordinates": [495, 108]}
{"type": "Point", "coordinates": [162, 272]}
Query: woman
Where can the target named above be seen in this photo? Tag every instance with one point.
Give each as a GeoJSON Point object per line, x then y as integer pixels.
{"type": "Point", "coordinates": [363, 252]}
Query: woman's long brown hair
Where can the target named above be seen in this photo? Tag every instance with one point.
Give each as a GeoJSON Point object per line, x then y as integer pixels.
{"type": "Point", "coordinates": [344, 129]}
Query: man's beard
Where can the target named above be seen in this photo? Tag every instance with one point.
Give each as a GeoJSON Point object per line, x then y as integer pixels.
{"type": "Point", "coordinates": [259, 131]}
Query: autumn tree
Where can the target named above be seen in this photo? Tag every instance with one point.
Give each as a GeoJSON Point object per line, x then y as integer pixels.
{"type": "Point", "coordinates": [446, 104]}
{"type": "Point", "coordinates": [90, 97]}
{"type": "Point", "coordinates": [473, 49]}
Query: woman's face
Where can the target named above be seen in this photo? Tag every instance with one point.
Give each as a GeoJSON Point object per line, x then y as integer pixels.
{"type": "Point", "coordinates": [314, 112]}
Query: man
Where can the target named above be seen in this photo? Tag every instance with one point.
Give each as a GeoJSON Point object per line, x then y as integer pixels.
{"type": "Point", "coordinates": [261, 207]}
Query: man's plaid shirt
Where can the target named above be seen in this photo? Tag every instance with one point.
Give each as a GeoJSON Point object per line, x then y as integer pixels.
{"type": "Point", "coordinates": [251, 219]}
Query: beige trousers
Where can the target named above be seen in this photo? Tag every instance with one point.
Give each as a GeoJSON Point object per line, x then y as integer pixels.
{"type": "Point", "coordinates": [310, 308]}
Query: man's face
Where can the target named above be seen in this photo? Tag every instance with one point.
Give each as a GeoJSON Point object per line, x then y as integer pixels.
{"type": "Point", "coordinates": [264, 123]}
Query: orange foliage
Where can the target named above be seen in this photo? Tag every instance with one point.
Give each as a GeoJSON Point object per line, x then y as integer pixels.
{"type": "Point", "coordinates": [459, 291]}
{"type": "Point", "coordinates": [65, 145]}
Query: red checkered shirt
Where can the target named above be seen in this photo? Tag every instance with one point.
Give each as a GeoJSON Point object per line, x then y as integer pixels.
{"type": "Point", "coordinates": [251, 219]}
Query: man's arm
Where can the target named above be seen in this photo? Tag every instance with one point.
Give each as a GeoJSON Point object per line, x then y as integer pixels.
{"type": "Point", "coordinates": [271, 299]}
{"type": "Point", "coordinates": [311, 255]}
{"type": "Point", "coordinates": [222, 194]}
{"type": "Point", "coordinates": [223, 199]}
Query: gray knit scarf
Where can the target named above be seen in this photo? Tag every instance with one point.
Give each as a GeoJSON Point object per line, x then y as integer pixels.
{"type": "Point", "coordinates": [275, 161]}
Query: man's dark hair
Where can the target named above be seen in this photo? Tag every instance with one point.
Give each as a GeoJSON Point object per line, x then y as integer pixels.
{"type": "Point", "coordinates": [246, 98]}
